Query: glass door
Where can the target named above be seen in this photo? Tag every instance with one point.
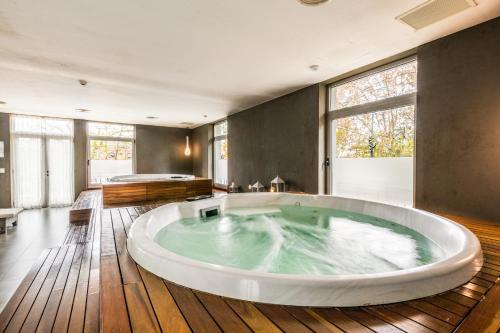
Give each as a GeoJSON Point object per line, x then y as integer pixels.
{"type": "Point", "coordinates": [42, 164]}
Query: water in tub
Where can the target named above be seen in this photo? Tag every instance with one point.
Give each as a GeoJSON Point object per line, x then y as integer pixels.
{"type": "Point", "coordinates": [300, 240]}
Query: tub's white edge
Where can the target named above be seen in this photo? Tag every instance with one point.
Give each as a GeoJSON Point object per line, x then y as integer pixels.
{"type": "Point", "coordinates": [348, 290]}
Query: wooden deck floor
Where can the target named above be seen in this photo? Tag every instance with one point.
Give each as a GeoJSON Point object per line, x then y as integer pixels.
{"type": "Point", "coordinates": [91, 284]}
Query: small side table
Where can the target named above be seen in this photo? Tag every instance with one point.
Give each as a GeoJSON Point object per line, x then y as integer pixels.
{"type": "Point", "coordinates": [8, 216]}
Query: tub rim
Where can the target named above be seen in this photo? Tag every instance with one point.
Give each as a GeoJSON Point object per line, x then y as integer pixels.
{"type": "Point", "coordinates": [470, 253]}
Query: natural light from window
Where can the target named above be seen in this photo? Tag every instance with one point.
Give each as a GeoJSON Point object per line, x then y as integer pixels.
{"type": "Point", "coordinates": [373, 135]}
{"type": "Point", "coordinates": [220, 154]}
{"type": "Point", "coordinates": [111, 151]}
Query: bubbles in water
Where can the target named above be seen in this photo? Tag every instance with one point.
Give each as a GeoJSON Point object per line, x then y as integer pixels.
{"type": "Point", "coordinates": [300, 240]}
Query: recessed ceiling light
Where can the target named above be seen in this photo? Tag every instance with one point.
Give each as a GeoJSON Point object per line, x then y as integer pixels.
{"type": "Point", "coordinates": [83, 82]}
{"type": "Point", "coordinates": [83, 110]}
{"type": "Point", "coordinates": [204, 116]}
{"type": "Point", "coordinates": [2, 102]}
{"type": "Point", "coordinates": [314, 67]}
{"type": "Point", "coordinates": [312, 2]}
{"type": "Point", "coordinates": [151, 117]}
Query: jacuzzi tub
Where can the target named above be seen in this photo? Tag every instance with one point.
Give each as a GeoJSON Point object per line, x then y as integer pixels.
{"type": "Point", "coordinates": [462, 257]}
{"type": "Point", "coordinates": [150, 177]}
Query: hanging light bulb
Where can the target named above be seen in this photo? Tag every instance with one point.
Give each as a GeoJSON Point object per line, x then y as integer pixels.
{"type": "Point", "coordinates": [187, 151]}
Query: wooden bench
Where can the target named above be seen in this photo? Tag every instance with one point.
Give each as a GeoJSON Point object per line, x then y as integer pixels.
{"type": "Point", "coordinates": [8, 216]}
{"type": "Point", "coordinates": [84, 206]}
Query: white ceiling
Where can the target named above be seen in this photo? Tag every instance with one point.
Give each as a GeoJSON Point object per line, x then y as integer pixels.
{"type": "Point", "coordinates": [181, 60]}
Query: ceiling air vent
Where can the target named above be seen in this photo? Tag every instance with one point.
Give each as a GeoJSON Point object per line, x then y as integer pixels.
{"type": "Point", "coordinates": [433, 11]}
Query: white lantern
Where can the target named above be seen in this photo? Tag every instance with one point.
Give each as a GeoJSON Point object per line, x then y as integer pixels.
{"type": "Point", "coordinates": [258, 187]}
{"type": "Point", "coordinates": [278, 185]}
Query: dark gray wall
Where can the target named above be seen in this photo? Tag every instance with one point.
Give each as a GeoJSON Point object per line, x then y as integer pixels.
{"type": "Point", "coordinates": [161, 150]}
{"type": "Point", "coordinates": [458, 123]}
{"type": "Point", "coordinates": [5, 162]}
{"type": "Point", "coordinates": [80, 146]}
{"type": "Point", "coordinates": [277, 137]}
{"type": "Point", "coordinates": [202, 151]}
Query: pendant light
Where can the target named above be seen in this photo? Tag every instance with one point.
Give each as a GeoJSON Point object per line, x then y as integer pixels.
{"type": "Point", "coordinates": [187, 151]}
{"type": "Point", "coordinates": [312, 2]}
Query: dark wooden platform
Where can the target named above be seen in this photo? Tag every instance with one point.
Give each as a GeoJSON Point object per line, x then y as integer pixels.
{"type": "Point", "coordinates": [83, 208]}
{"type": "Point", "coordinates": [90, 284]}
{"type": "Point", "coordinates": [135, 193]}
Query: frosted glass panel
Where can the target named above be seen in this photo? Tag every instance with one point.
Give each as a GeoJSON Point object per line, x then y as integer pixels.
{"type": "Point", "coordinates": [387, 180]}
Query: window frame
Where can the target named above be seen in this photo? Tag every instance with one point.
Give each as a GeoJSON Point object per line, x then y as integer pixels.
{"type": "Point", "coordinates": [380, 105]}
{"type": "Point", "coordinates": [214, 140]}
{"type": "Point", "coordinates": [108, 138]}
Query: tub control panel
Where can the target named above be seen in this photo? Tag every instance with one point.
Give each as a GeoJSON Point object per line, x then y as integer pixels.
{"type": "Point", "coordinates": [210, 212]}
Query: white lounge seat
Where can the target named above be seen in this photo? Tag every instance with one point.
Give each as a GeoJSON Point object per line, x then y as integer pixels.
{"type": "Point", "coordinates": [8, 217]}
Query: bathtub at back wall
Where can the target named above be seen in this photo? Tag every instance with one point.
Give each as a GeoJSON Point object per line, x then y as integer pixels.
{"type": "Point", "coordinates": [150, 177]}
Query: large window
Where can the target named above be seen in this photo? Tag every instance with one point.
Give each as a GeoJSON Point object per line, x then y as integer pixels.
{"type": "Point", "coordinates": [373, 134]}
{"type": "Point", "coordinates": [42, 161]}
{"type": "Point", "coordinates": [111, 151]}
{"type": "Point", "coordinates": [220, 154]}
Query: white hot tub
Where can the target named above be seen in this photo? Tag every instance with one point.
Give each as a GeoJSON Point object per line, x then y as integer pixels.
{"type": "Point", "coordinates": [354, 252]}
{"type": "Point", "coordinates": [144, 177]}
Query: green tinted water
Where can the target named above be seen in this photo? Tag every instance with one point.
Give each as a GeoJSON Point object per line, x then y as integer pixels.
{"type": "Point", "coordinates": [300, 240]}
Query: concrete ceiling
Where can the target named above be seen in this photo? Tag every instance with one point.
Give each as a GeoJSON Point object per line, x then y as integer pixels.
{"type": "Point", "coordinates": [192, 60]}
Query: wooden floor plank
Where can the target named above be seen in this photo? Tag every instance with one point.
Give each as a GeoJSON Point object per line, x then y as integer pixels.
{"type": "Point", "coordinates": [128, 267]}
{"type": "Point", "coordinates": [398, 320]}
{"type": "Point", "coordinates": [24, 307]}
{"type": "Point", "coordinates": [421, 318]}
{"type": "Point", "coordinates": [126, 219]}
{"type": "Point", "coordinates": [460, 299]}
{"type": "Point", "coordinates": [77, 319]}
{"type": "Point", "coordinates": [49, 313]}
{"type": "Point", "coordinates": [485, 317]}
{"type": "Point", "coordinates": [141, 313]}
{"type": "Point", "coordinates": [282, 318]}
{"type": "Point", "coordinates": [436, 311]}
{"type": "Point", "coordinates": [18, 296]}
{"type": "Point", "coordinates": [341, 320]}
{"type": "Point", "coordinates": [227, 320]}
{"type": "Point", "coordinates": [315, 323]}
{"type": "Point", "coordinates": [64, 311]}
{"type": "Point", "coordinates": [464, 291]}
{"type": "Point", "coordinates": [475, 287]}
{"type": "Point", "coordinates": [252, 316]}
{"type": "Point", "coordinates": [114, 312]}
{"type": "Point", "coordinates": [370, 321]}
{"type": "Point", "coordinates": [31, 322]}
{"type": "Point", "coordinates": [481, 282]}
{"type": "Point", "coordinates": [448, 305]}
{"type": "Point", "coordinates": [169, 316]}
{"type": "Point", "coordinates": [92, 307]}
{"type": "Point", "coordinates": [195, 313]}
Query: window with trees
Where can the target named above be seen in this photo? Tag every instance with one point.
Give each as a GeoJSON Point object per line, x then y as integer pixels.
{"type": "Point", "coordinates": [220, 154]}
{"type": "Point", "coordinates": [111, 151]}
{"type": "Point", "coordinates": [373, 134]}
